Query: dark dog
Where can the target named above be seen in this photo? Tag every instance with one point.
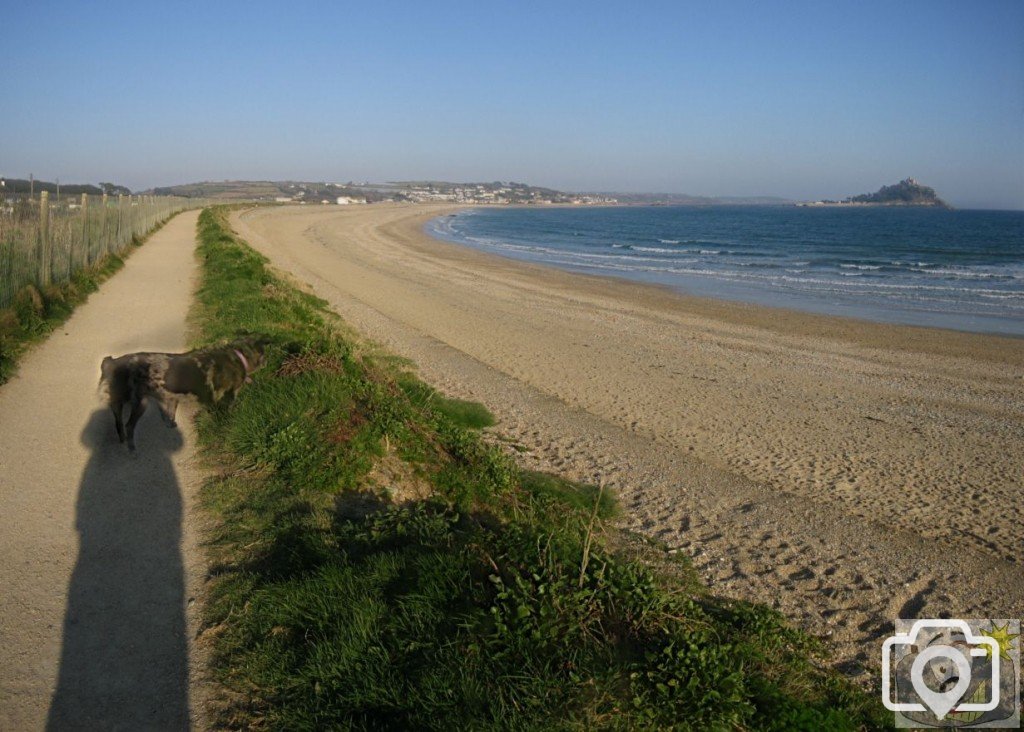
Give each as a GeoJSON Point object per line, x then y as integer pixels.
{"type": "Point", "coordinates": [210, 374]}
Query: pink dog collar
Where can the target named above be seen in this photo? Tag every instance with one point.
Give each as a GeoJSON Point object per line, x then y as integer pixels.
{"type": "Point", "coordinates": [245, 365]}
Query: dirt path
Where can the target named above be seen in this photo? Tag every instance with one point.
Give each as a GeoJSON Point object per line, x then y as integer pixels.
{"type": "Point", "coordinates": [99, 559]}
{"type": "Point", "coordinates": [848, 473]}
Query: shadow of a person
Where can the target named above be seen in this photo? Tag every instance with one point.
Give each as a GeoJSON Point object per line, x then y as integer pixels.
{"type": "Point", "coordinates": [124, 659]}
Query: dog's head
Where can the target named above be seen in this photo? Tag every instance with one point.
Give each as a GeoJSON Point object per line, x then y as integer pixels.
{"type": "Point", "coordinates": [254, 348]}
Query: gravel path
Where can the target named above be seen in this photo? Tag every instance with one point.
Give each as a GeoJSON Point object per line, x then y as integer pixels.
{"type": "Point", "coordinates": [99, 557]}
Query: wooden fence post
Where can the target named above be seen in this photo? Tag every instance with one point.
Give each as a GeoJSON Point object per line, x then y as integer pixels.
{"type": "Point", "coordinates": [45, 245]}
{"type": "Point", "coordinates": [104, 240]}
{"type": "Point", "coordinates": [121, 216]}
{"type": "Point", "coordinates": [85, 231]}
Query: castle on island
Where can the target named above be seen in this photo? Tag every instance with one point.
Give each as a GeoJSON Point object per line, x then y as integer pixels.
{"type": "Point", "coordinates": [908, 192]}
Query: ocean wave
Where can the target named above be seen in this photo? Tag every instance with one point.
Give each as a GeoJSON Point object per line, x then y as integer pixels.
{"type": "Point", "coordinates": [966, 274]}
{"type": "Point", "coordinates": [482, 240]}
{"type": "Point", "coordinates": [1003, 295]}
{"type": "Point", "coordinates": [875, 285]}
{"type": "Point", "coordinates": [508, 246]}
{"type": "Point", "coordinates": [626, 257]}
{"type": "Point", "coordinates": [696, 243]}
{"type": "Point", "coordinates": [660, 250]}
{"type": "Point", "coordinates": [861, 266]}
{"type": "Point", "coordinates": [901, 263]}
{"type": "Point", "coordinates": [676, 251]}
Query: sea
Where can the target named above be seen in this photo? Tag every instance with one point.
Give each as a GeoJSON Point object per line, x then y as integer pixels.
{"type": "Point", "coordinates": [961, 269]}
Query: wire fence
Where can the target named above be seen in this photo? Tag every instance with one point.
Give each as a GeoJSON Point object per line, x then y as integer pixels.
{"type": "Point", "coordinates": [43, 242]}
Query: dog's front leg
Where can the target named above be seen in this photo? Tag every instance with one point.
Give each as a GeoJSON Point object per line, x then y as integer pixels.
{"type": "Point", "coordinates": [138, 408]}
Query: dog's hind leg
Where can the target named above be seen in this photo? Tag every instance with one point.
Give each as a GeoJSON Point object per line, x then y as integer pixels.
{"type": "Point", "coordinates": [138, 408]}
{"type": "Point", "coordinates": [117, 409]}
{"type": "Point", "coordinates": [168, 409]}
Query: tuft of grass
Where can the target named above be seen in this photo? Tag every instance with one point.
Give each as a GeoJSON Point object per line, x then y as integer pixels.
{"type": "Point", "coordinates": [501, 600]}
{"type": "Point", "coordinates": [464, 413]}
{"type": "Point", "coordinates": [471, 415]}
{"type": "Point", "coordinates": [559, 491]}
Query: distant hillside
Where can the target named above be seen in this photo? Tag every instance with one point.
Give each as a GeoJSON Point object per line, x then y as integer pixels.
{"type": "Point", "coordinates": [495, 192]}
{"type": "Point", "coordinates": [265, 190]}
{"type": "Point", "coordinates": [226, 189]}
{"type": "Point", "coordinates": [19, 187]}
{"type": "Point", "coordinates": [907, 192]}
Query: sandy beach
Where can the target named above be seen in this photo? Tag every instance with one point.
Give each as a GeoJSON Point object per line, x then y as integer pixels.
{"type": "Point", "coordinates": [846, 472]}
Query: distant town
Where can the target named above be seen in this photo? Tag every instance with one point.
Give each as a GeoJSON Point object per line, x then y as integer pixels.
{"type": "Point", "coordinates": [496, 193]}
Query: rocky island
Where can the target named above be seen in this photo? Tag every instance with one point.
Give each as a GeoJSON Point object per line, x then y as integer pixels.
{"type": "Point", "coordinates": [907, 192]}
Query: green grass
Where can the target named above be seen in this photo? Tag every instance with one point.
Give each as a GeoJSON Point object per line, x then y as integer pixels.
{"type": "Point", "coordinates": [471, 415]}
{"type": "Point", "coordinates": [485, 598]}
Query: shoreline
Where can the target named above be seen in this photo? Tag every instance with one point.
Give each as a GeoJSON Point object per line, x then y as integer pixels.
{"type": "Point", "coordinates": [722, 292]}
{"type": "Point", "coordinates": [865, 331]}
{"type": "Point", "coordinates": [835, 468]}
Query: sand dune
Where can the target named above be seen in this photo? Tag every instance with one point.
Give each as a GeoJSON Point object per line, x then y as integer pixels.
{"type": "Point", "coordinates": [848, 472]}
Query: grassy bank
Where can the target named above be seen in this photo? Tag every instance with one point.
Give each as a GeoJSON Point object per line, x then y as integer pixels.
{"type": "Point", "coordinates": [378, 565]}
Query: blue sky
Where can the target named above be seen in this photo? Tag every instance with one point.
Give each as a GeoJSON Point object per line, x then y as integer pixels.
{"type": "Point", "coordinates": [801, 100]}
